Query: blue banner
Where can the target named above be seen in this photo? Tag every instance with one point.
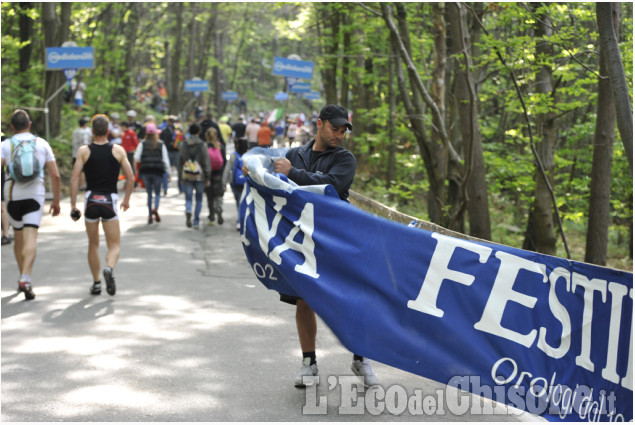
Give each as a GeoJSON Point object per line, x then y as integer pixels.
{"type": "Point", "coordinates": [69, 57]}
{"type": "Point", "coordinates": [542, 334]}
{"type": "Point", "coordinates": [292, 68]}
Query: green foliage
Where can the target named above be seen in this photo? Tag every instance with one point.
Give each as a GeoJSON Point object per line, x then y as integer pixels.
{"type": "Point", "coordinates": [249, 41]}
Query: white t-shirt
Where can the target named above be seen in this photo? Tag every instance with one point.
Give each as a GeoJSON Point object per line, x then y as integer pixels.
{"type": "Point", "coordinates": [34, 188]}
{"type": "Point", "coordinates": [79, 93]}
{"type": "Point", "coordinates": [81, 137]}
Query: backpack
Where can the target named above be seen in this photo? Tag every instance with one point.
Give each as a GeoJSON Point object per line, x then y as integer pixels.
{"type": "Point", "coordinates": [215, 158]}
{"type": "Point", "coordinates": [25, 164]}
{"type": "Point", "coordinates": [192, 170]}
{"type": "Point", "coordinates": [167, 136]}
{"type": "Point", "coordinates": [177, 139]}
{"type": "Point", "coordinates": [239, 179]}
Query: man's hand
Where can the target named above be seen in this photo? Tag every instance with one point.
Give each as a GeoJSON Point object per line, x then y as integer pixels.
{"type": "Point", "coordinates": [75, 213]}
{"type": "Point", "coordinates": [124, 205]}
{"type": "Point", "coordinates": [55, 208]}
{"type": "Point", "coordinates": [282, 165]}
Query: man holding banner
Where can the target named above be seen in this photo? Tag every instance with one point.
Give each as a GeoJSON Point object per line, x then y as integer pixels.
{"type": "Point", "coordinates": [321, 161]}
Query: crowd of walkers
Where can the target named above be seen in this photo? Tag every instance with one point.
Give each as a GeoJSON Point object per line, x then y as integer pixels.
{"type": "Point", "coordinates": [202, 154]}
{"type": "Point", "coordinates": [150, 154]}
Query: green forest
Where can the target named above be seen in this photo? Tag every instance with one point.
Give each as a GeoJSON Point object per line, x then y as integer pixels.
{"type": "Point", "coordinates": [510, 122]}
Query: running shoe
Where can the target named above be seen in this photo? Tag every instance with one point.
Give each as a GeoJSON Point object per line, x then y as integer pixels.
{"type": "Point", "coordinates": [220, 217]}
{"type": "Point", "coordinates": [363, 369]}
{"type": "Point", "coordinates": [150, 220]}
{"type": "Point", "coordinates": [27, 289]}
{"type": "Point", "coordinates": [5, 240]}
{"type": "Point", "coordinates": [95, 289]}
{"type": "Point", "coordinates": [308, 374]}
{"type": "Point", "coordinates": [188, 219]}
{"type": "Point", "coordinates": [156, 215]}
{"type": "Point", "coordinates": [111, 288]}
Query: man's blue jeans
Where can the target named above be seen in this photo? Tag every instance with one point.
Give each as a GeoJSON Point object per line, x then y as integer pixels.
{"type": "Point", "coordinates": [189, 188]}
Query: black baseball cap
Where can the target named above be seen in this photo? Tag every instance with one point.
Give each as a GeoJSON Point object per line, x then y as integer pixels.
{"type": "Point", "coordinates": [337, 115]}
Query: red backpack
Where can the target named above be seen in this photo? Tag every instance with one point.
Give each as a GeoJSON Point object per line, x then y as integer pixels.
{"type": "Point", "coordinates": [215, 158]}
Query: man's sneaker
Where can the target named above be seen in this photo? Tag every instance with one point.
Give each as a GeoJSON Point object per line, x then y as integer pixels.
{"type": "Point", "coordinates": [308, 374]}
{"type": "Point", "coordinates": [95, 289]}
{"type": "Point", "coordinates": [111, 288]}
{"type": "Point", "coordinates": [220, 217]}
{"type": "Point", "coordinates": [156, 215]}
{"type": "Point", "coordinates": [362, 368]}
{"type": "Point", "coordinates": [195, 225]}
{"type": "Point", "coordinates": [27, 289]}
{"type": "Point", "coordinates": [188, 219]}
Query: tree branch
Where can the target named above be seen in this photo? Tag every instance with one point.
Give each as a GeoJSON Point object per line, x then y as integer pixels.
{"type": "Point", "coordinates": [541, 167]}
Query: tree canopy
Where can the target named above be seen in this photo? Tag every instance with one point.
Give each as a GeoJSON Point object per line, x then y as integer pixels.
{"type": "Point", "coordinates": [480, 117]}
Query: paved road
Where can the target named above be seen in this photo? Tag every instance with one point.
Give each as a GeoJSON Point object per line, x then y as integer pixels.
{"type": "Point", "coordinates": [191, 335]}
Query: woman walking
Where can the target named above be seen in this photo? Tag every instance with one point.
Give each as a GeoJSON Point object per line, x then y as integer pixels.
{"type": "Point", "coordinates": [153, 160]}
{"type": "Point", "coordinates": [216, 189]}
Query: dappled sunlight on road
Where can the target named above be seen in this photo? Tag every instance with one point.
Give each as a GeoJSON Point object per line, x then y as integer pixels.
{"type": "Point", "coordinates": [190, 335]}
{"type": "Point", "coordinates": [117, 395]}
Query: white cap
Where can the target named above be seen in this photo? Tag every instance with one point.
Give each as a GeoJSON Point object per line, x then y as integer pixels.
{"type": "Point", "coordinates": [131, 113]}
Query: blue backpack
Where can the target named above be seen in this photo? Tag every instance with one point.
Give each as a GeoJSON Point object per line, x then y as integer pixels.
{"type": "Point", "coordinates": [25, 165]}
{"type": "Point", "coordinates": [239, 178]}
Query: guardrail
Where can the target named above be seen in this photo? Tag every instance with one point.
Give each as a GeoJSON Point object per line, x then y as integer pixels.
{"type": "Point", "coordinates": [377, 208]}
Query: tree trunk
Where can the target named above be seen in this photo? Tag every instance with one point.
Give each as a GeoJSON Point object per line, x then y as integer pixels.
{"type": "Point", "coordinates": [26, 31]}
{"type": "Point", "coordinates": [392, 143]}
{"type": "Point", "coordinates": [174, 87]}
{"type": "Point", "coordinates": [217, 71]}
{"type": "Point", "coordinates": [193, 39]}
{"type": "Point", "coordinates": [467, 103]}
{"type": "Point", "coordinates": [344, 87]}
{"type": "Point", "coordinates": [540, 235]}
{"type": "Point", "coordinates": [55, 78]}
{"type": "Point", "coordinates": [329, 49]}
{"type": "Point", "coordinates": [600, 194]}
{"type": "Point", "coordinates": [438, 153]}
{"type": "Point", "coordinates": [608, 39]}
{"type": "Point", "coordinates": [122, 91]}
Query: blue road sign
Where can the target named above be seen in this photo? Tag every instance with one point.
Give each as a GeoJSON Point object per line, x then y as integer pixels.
{"type": "Point", "coordinates": [291, 81]}
{"type": "Point", "coordinates": [300, 88]}
{"type": "Point", "coordinates": [292, 68]}
{"type": "Point", "coordinates": [69, 57]}
{"type": "Point", "coordinates": [312, 95]}
{"type": "Point", "coordinates": [69, 74]}
{"type": "Point", "coordinates": [281, 96]}
{"type": "Point", "coordinates": [196, 85]}
{"type": "Point", "coordinates": [229, 95]}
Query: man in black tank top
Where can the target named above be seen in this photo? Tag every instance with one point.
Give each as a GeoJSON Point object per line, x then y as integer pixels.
{"type": "Point", "coordinates": [101, 162]}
